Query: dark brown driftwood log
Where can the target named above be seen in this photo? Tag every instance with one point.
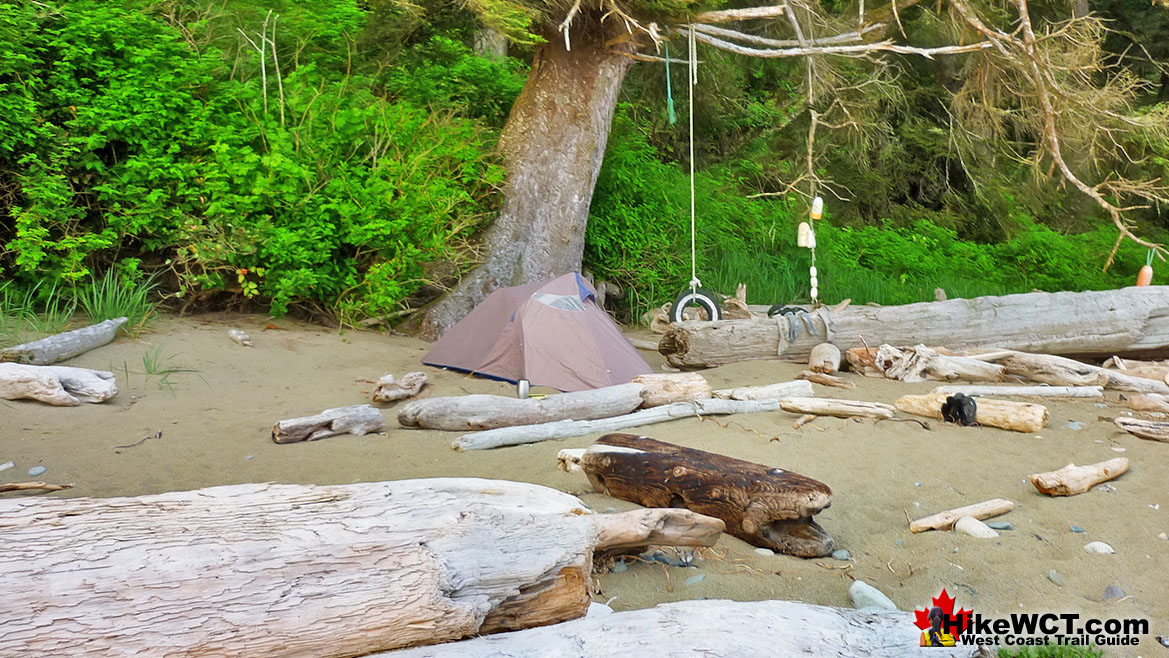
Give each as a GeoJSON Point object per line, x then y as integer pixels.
{"type": "Point", "coordinates": [768, 507]}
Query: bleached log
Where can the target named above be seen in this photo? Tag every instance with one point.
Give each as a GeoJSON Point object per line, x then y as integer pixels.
{"type": "Point", "coordinates": [1148, 369]}
{"type": "Point", "coordinates": [280, 570]}
{"type": "Point", "coordinates": [61, 386]}
{"type": "Point", "coordinates": [656, 527]}
{"type": "Point", "coordinates": [824, 358]}
{"type": "Point", "coordinates": [1023, 391]}
{"type": "Point", "coordinates": [390, 389]}
{"type": "Point", "coordinates": [836, 408]}
{"type": "Point", "coordinates": [1004, 414]}
{"type": "Point", "coordinates": [512, 436]}
{"type": "Point", "coordinates": [67, 345]}
{"type": "Point", "coordinates": [1146, 429]}
{"type": "Point", "coordinates": [946, 520]}
{"type": "Point", "coordinates": [667, 388]}
{"type": "Point", "coordinates": [799, 388]}
{"type": "Point", "coordinates": [863, 361]}
{"type": "Point", "coordinates": [1092, 323]}
{"type": "Point", "coordinates": [825, 380]}
{"type": "Point", "coordinates": [481, 412]}
{"type": "Point", "coordinates": [30, 486]}
{"type": "Point", "coordinates": [1071, 479]}
{"type": "Point", "coordinates": [712, 629]}
{"type": "Point", "coordinates": [1061, 371]}
{"type": "Point", "coordinates": [919, 363]}
{"type": "Point", "coordinates": [359, 419]}
{"type": "Point", "coordinates": [1149, 402]}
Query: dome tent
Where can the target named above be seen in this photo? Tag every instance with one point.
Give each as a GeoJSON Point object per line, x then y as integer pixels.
{"type": "Point", "coordinates": [551, 333]}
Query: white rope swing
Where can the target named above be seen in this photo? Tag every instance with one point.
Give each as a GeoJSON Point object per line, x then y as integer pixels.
{"type": "Point", "coordinates": [692, 78]}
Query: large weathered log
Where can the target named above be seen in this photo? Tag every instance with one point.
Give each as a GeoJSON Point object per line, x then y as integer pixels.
{"type": "Point", "coordinates": [672, 387]}
{"type": "Point", "coordinates": [512, 436]}
{"type": "Point", "coordinates": [1004, 414]}
{"type": "Point", "coordinates": [1071, 479]}
{"type": "Point", "coordinates": [482, 412]}
{"type": "Point", "coordinates": [1145, 429]}
{"type": "Point", "coordinates": [765, 506]}
{"type": "Point", "coordinates": [359, 420]}
{"type": "Point", "coordinates": [295, 570]}
{"type": "Point", "coordinates": [713, 629]}
{"type": "Point", "coordinates": [919, 363]}
{"type": "Point", "coordinates": [59, 347]}
{"type": "Point", "coordinates": [794, 389]}
{"type": "Point", "coordinates": [1023, 391]}
{"type": "Point", "coordinates": [1101, 323]}
{"type": "Point", "coordinates": [57, 385]}
{"type": "Point", "coordinates": [836, 408]}
{"type": "Point", "coordinates": [1061, 371]}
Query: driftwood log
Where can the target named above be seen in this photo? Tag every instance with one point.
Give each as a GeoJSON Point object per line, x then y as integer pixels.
{"type": "Point", "coordinates": [1023, 391]}
{"type": "Point", "coordinates": [1149, 402]}
{"type": "Point", "coordinates": [1145, 429]}
{"type": "Point", "coordinates": [825, 380]}
{"type": "Point", "coordinates": [1004, 414]}
{"type": "Point", "coordinates": [359, 420]}
{"type": "Point", "coordinates": [919, 363]}
{"type": "Point", "coordinates": [825, 358]}
{"type": "Point", "coordinates": [1129, 321]}
{"type": "Point", "coordinates": [390, 389]}
{"type": "Point", "coordinates": [59, 347]}
{"type": "Point", "coordinates": [797, 389]}
{"type": "Point", "coordinates": [836, 408]}
{"type": "Point", "coordinates": [31, 486]}
{"type": "Point", "coordinates": [61, 386]}
{"type": "Point", "coordinates": [482, 412]}
{"type": "Point", "coordinates": [512, 436]}
{"type": "Point", "coordinates": [946, 520]}
{"type": "Point", "coordinates": [663, 389]}
{"type": "Point", "coordinates": [712, 629]}
{"type": "Point", "coordinates": [764, 506]}
{"type": "Point", "coordinates": [1061, 371]}
{"type": "Point", "coordinates": [1148, 369]}
{"type": "Point", "coordinates": [1071, 479]}
{"type": "Point", "coordinates": [294, 570]}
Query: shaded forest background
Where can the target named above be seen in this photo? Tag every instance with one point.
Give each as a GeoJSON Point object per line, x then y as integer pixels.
{"type": "Point", "coordinates": [338, 158]}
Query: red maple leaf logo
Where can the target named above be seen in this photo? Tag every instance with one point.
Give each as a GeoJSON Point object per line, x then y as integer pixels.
{"type": "Point", "coordinates": [946, 603]}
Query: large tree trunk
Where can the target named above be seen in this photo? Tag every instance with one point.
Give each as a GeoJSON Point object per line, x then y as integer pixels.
{"type": "Point", "coordinates": [294, 570]}
{"type": "Point", "coordinates": [552, 147]}
{"type": "Point", "coordinates": [1101, 323]}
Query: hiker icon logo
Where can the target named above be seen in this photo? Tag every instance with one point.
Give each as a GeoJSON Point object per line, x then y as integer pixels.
{"type": "Point", "coordinates": [940, 625]}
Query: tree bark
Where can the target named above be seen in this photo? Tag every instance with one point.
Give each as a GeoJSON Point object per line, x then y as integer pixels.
{"type": "Point", "coordinates": [765, 506]}
{"type": "Point", "coordinates": [552, 147]}
{"type": "Point", "coordinates": [1129, 321]}
{"type": "Point", "coordinates": [294, 570]}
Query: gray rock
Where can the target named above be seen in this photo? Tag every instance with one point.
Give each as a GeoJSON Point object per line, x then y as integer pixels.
{"type": "Point", "coordinates": [1075, 425]}
{"type": "Point", "coordinates": [1099, 547]}
{"type": "Point", "coordinates": [841, 554]}
{"type": "Point", "coordinates": [1053, 576]}
{"type": "Point", "coordinates": [6, 465]}
{"type": "Point", "coordinates": [36, 470]}
{"type": "Point", "coordinates": [1113, 593]}
{"type": "Point", "coordinates": [1077, 529]}
{"type": "Point", "coordinates": [695, 579]}
{"type": "Point", "coordinates": [1163, 536]}
{"type": "Point", "coordinates": [864, 595]}
{"type": "Point", "coordinates": [969, 525]}
{"type": "Point", "coordinates": [1000, 525]}
{"type": "Point", "coordinates": [619, 567]}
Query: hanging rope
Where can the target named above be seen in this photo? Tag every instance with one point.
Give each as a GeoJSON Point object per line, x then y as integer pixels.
{"type": "Point", "coordinates": [693, 79]}
{"type": "Point", "coordinates": [669, 94]}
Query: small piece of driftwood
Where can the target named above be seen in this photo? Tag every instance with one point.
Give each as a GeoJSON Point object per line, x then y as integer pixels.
{"type": "Point", "coordinates": [642, 344]}
{"type": "Point", "coordinates": [512, 436]}
{"type": "Point", "coordinates": [656, 527]}
{"type": "Point", "coordinates": [61, 386]}
{"type": "Point", "coordinates": [946, 520]}
{"type": "Point", "coordinates": [1004, 414]}
{"type": "Point", "coordinates": [1149, 402]}
{"type": "Point", "coordinates": [1146, 429]}
{"type": "Point", "coordinates": [32, 486]}
{"type": "Point", "coordinates": [836, 408]}
{"type": "Point", "coordinates": [390, 389]}
{"type": "Point", "coordinates": [1071, 479]}
{"type": "Point", "coordinates": [667, 388]}
{"type": "Point", "coordinates": [765, 506]}
{"type": "Point", "coordinates": [863, 361]}
{"type": "Point", "coordinates": [1023, 391]}
{"type": "Point", "coordinates": [482, 412]}
{"type": "Point", "coordinates": [919, 363]}
{"type": "Point", "coordinates": [67, 345]}
{"type": "Point", "coordinates": [1147, 369]}
{"type": "Point", "coordinates": [799, 388]}
{"type": "Point", "coordinates": [826, 380]}
{"type": "Point", "coordinates": [825, 358]}
{"type": "Point", "coordinates": [359, 419]}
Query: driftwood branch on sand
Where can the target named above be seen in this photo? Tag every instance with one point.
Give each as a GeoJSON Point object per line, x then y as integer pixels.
{"type": "Point", "coordinates": [765, 506]}
{"type": "Point", "coordinates": [512, 436]}
{"type": "Point", "coordinates": [67, 345]}
{"type": "Point", "coordinates": [825, 380]}
{"type": "Point", "coordinates": [482, 412]}
{"type": "Point", "coordinates": [799, 388]}
{"type": "Point", "coordinates": [60, 386]}
{"type": "Point", "coordinates": [1008, 390]}
{"type": "Point", "coordinates": [836, 408]}
{"type": "Point", "coordinates": [712, 629]}
{"type": "Point", "coordinates": [33, 486]}
{"type": "Point", "coordinates": [359, 420]}
{"type": "Point", "coordinates": [1004, 414]}
{"type": "Point", "coordinates": [1099, 323]}
{"type": "Point", "coordinates": [1071, 479]}
{"type": "Point", "coordinates": [390, 389]}
{"type": "Point", "coordinates": [1146, 429]}
{"type": "Point", "coordinates": [296, 570]}
{"type": "Point", "coordinates": [946, 520]}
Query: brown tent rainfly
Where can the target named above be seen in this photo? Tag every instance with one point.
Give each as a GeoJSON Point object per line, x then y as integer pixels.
{"type": "Point", "coordinates": [551, 333]}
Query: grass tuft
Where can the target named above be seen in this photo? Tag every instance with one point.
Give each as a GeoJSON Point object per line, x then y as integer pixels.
{"type": "Point", "coordinates": [114, 297]}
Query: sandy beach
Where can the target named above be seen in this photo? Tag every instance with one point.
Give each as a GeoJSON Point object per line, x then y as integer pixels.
{"type": "Point", "coordinates": [215, 411]}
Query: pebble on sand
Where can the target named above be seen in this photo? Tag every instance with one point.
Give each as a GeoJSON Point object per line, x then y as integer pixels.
{"type": "Point", "coordinates": [1163, 536]}
{"type": "Point", "coordinates": [1113, 593]}
{"type": "Point", "coordinates": [764, 551]}
{"type": "Point", "coordinates": [695, 579]}
{"type": "Point", "coordinates": [1053, 576]}
{"type": "Point", "coordinates": [1000, 525]}
{"type": "Point", "coordinates": [36, 470]}
{"type": "Point", "coordinates": [864, 595]}
{"type": "Point", "coordinates": [1077, 529]}
{"type": "Point", "coordinates": [619, 567]}
{"type": "Point", "coordinates": [1099, 547]}
{"type": "Point", "coordinates": [6, 465]}
{"type": "Point", "coordinates": [841, 554]}
{"type": "Point", "coordinates": [971, 526]}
